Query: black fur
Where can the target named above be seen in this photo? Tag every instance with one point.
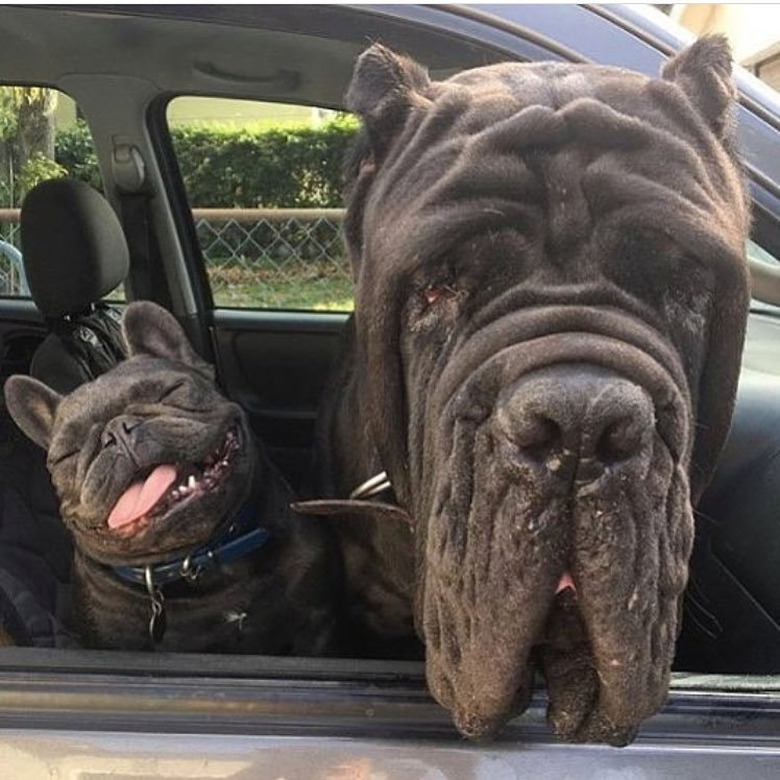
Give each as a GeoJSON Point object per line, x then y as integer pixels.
{"type": "Point", "coordinates": [161, 406]}
{"type": "Point", "coordinates": [551, 303]}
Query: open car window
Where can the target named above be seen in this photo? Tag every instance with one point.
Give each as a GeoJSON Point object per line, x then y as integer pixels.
{"type": "Point", "coordinates": [264, 182]}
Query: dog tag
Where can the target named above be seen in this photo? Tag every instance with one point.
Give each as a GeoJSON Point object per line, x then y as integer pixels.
{"type": "Point", "coordinates": [158, 621]}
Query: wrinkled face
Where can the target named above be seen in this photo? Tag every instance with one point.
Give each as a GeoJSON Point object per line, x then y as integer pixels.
{"type": "Point", "coordinates": [148, 460]}
{"type": "Point", "coordinates": [549, 468]}
{"type": "Point", "coordinates": [551, 303]}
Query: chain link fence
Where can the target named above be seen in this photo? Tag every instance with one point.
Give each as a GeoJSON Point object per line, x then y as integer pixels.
{"type": "Point", "coordinates": [275, 258]}
{"type": "Point", "coordinates": [255, 258]}
{"type": "Point", "coordinates": [12, 279]}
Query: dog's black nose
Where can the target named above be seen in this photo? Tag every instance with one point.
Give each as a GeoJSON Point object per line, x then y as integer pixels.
{"type": "Point", "coordinates": [576, 419]}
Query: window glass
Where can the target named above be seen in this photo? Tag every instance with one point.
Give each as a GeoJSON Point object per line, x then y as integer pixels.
{"type": "Point", "coordinates": [756, 252]}
{"type": "Point", "coordinates": [264, 184]}
{"type": "Point", "coordinates": [41, 137]}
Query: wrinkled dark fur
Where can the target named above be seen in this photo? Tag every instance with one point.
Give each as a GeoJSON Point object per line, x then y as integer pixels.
{"type": "Point", "coordinates": [539, 250]}
{"type": "Point", "coordinates": [165, 400]}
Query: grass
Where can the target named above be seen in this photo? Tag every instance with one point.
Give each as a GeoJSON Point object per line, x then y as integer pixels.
{"type": "Point", "coordinates": [309, 287]}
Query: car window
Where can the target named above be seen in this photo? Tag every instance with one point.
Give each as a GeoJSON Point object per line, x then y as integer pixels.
{"type": "Point", "coordinates": [758, 253]}
{"type": "Point", "coordinates": [42, 136]}
{"type": "Point", "coordinates": [263, 181]}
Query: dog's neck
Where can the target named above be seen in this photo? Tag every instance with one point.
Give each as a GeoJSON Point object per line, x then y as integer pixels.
{"type": "Point", "coordinates": [237, 539]}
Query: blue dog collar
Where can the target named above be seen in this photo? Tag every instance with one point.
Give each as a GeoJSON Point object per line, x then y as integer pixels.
{"type": "Point", "coordinates": [229, 546]}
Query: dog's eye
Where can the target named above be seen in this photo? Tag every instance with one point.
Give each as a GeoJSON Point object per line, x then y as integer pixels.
{"type": "Point", "coordinates": [56, 458]}
{"type": "Point", "coordinates": [435, 294]}
{"type": "Point", "coordinates": [434, 305]}
{"type": "Point", "coordinates": [172, 390]}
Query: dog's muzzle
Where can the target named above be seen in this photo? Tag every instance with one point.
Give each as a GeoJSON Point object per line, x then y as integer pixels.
{"type": "Point", "coordinates": [559, 460]}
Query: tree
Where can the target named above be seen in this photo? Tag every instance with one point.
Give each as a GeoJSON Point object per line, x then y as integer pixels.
{"type": "Point", "coordinates": [26, 140]}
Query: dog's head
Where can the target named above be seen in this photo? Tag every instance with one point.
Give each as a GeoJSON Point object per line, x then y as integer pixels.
{"type": "Point", "coordinates": [551, 303]}
{"type": "Point", "coordinates": [148, 459]}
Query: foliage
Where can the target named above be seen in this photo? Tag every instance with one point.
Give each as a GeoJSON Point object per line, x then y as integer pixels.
{"type": "Point", "coordinates": [276, 168]}
{"type": "Point", "coordinates": [297, 167]}
{"type": "Point", "coordinates": [37, 168]}
{"type": "Point", "coordinates": [8, 113]}
{"type": "Point", "coordinates": [74, 151]}
{"type": "Point", "coordinates": [26, 140]}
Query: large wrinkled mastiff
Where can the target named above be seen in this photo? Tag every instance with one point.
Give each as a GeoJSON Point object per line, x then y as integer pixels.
{"type": "Point", "coordinates": [551, 301]}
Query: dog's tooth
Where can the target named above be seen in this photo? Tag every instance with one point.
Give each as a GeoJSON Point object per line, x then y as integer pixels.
{"type": "Point", "coordinates": [192, 483]}
{"type": "Point", "coordinates": [176, 492]}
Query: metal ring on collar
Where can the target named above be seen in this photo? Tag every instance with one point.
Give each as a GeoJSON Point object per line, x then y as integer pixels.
{"type": "Point", "coordinates": [371, 487]}
{"type": "Point", "coordinates": [190, 572]}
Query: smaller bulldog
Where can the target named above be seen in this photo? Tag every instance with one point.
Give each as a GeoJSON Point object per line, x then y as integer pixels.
{"type": "Point", "coordinates": [183, 533]}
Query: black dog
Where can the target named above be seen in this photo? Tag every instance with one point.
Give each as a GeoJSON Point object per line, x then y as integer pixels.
{"type": "Point", "coordinates": [551, 302]}
{"type": "Point", "coordinates": [183, 533]}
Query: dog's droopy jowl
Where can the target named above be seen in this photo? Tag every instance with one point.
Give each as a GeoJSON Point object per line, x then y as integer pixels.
{"type": "Point", "coordinates": [184, 536]}
{"type": "Point", "coordinates": [551, 303]}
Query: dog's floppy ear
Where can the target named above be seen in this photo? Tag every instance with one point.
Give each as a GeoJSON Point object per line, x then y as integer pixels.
{"type": "Point", "coordinates": [385, 87]}
{"type": "Point", "coordinates": [703, 72]}
{"type": "Point", "coordinates": [151, 330]}
{"type": "Point", "coordinates": [32, 406]}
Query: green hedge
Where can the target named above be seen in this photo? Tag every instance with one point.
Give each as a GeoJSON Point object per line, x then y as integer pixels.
{"type": "Point", "coordinates": [226, 168]}
{"type": "Point", "coordinates": [74, 151]}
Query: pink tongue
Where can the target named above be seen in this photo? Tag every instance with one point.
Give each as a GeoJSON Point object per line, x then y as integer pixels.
{"type": "Point", "coordinates": [565, 582]}
{"type": "Point", "coordinates": [141, 496]}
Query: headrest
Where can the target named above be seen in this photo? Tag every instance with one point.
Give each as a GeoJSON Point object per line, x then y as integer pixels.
{"type": "Point", "coordinates": [73, 247]}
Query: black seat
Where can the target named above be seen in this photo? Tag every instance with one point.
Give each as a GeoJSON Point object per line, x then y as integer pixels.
{"type": "Point", "coordinates": [732, 621]}
{"type": "Point", "coordinates": [74, 253]}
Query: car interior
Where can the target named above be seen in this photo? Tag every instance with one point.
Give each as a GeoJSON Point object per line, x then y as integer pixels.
{"type": "Point", "coordinates": [140, 233]}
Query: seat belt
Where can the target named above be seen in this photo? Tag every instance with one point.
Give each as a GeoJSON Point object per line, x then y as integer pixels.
{"type": "Point", "coordinates": [135, 195]}
{"type": "Point", "coordinates": [136, 221]}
